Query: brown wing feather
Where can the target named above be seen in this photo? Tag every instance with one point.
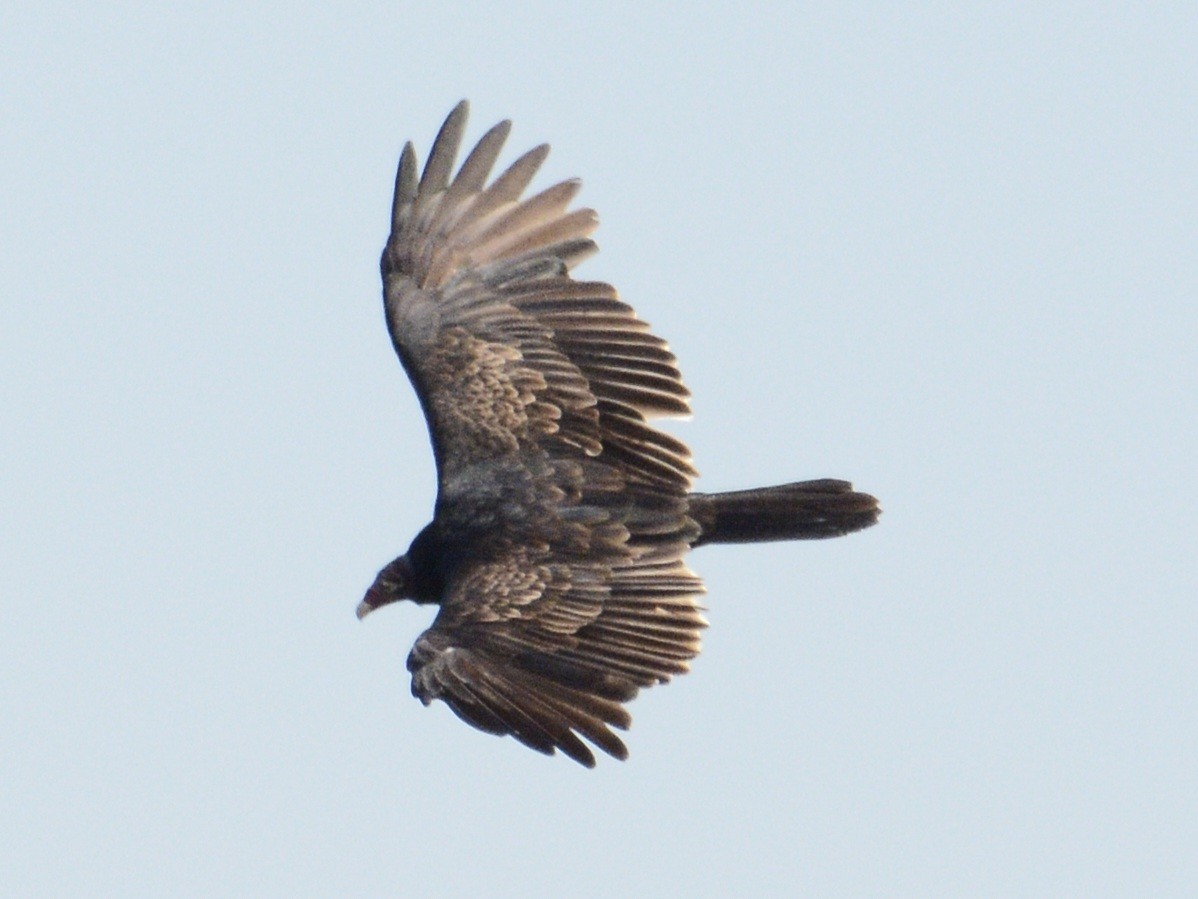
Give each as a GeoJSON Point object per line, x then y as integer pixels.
{"type": "Point", "coordinates": [547, 651]}
{"type": "Point", "coordinates": [505, 349]}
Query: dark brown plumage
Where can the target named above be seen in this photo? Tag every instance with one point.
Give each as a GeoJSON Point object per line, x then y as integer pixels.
{"type": "Point", "coordinates": [562, 516]}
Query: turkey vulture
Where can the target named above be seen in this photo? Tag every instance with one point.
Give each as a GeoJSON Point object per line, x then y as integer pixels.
{"type": "Point", "coordinates": [562, 516]}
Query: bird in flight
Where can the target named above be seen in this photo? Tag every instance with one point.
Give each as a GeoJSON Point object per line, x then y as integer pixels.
{"type": "Point", "coordinates": [563, 516]}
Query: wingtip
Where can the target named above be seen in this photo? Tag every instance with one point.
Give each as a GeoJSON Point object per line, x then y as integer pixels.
{"type": "Point", "coordinates": [581, 754]}
{"type": "Point", "coordinates": [445, 150]}
{"type": "Point", "coordinates": [406, 186]}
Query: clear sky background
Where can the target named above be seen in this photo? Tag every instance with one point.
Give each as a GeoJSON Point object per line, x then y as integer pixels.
{"type": "Point", "coordinates": [947, 252]}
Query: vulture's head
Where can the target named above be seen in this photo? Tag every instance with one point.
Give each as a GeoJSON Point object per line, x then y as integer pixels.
{"type": "Point", "coordinates": [393, 582]}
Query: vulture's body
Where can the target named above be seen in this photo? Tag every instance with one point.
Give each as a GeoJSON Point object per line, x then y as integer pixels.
{"type": "Point", "coordinates": [562, 516]}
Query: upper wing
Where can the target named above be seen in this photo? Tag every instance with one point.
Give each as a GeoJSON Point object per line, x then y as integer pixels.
{"type": "Point", "coordinates": [506, 351]}
{"type": "Point", "coordinates": [546, 650]}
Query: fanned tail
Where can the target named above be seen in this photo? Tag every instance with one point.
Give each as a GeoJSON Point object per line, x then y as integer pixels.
{"type": "Point", "coordinates": [805, 510]}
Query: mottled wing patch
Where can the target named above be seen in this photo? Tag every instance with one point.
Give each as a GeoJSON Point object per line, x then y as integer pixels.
{"type": "Point", "coordinates": [485, 403]}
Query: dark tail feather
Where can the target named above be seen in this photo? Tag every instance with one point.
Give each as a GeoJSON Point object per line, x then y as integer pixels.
{"type": "Point", "coordinates": [805, 510]}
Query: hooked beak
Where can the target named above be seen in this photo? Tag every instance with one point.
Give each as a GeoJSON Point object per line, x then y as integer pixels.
{"type": "Point", "coordinates": [373, 599]}
{"type": "Point", "coordinates": [389, 586]}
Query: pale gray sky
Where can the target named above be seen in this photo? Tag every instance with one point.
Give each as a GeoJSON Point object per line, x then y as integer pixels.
{"type": "Point", "coordinates": [947, 252]}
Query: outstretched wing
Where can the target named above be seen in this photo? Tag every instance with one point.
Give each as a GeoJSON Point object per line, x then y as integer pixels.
{"type": "Point", "coordinates": [506, 351]}
{"type": "Point", "coordinates": [547, 650]}
{"type": "Point", "coordinates": [560, 612]}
